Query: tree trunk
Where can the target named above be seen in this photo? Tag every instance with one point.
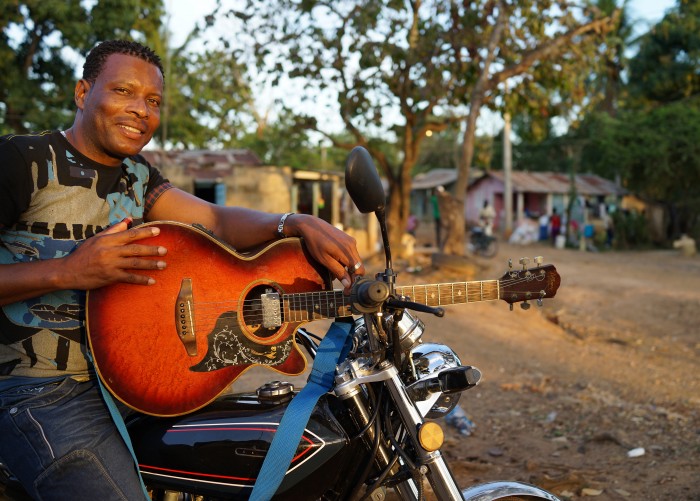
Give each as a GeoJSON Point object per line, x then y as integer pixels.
{"type": "Point", "coordinates": [399, 203]}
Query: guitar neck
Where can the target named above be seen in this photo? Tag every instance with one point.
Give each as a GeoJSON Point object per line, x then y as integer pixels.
{"type": "Point", "coordinates": [452, 293]}
{"type": "Point", "coordinates": [307, 306]}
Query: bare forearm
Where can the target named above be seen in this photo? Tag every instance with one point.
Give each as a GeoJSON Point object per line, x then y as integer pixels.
{"type": "Point", "coordinates": [247, 228]}
{"type": "Point", "coordinates": [26, 280]}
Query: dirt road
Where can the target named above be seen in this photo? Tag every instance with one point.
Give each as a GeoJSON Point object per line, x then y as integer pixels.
{"type": "Point", "coordinates": [607, 369]}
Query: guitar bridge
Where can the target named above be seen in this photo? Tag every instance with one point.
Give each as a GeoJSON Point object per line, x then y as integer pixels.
{"type": "Point", "coordinates": [184, 317]}
{"type": "Point", "coordinates": [271, 312]}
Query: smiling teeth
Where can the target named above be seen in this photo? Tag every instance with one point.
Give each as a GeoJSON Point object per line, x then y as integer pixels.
{"type": "Point", "coordinates": [133, 129]}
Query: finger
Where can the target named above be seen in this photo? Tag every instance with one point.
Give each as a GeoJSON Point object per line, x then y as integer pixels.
{"type": "Point", "coordinates": [135, 278]}
{"type": "Point", "coordinates": [337, 269]}
{"type": "Point", "coordinates": [143, 250]}
{"type": "Point", "coordinates": [356, 267]}
{"type": "Point", "coordinates": [122, 225]}
{"type": "Point", "coordinates": [137, 263]}
{"type": "Point", "coordinates": [140, 233]}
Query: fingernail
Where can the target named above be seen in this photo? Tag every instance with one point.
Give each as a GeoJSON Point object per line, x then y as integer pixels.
{"type": "Point", "coordinates": [345, 282]}
{"type": "Point", "coordinates": [155, 231]}
{"type": "Point", "coordinates": [162, 251]}
{"type": "Point", "coordinates": [151, 281]}
{"type": "Point", "coordinates": [161, 265]}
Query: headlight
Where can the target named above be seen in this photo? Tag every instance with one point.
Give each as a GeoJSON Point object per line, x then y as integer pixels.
{"type": "Point", "coordinates": [429, 359]}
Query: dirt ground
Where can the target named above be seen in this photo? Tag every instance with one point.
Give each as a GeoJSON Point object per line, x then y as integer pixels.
{"type": "Point", "coordinates": [608, 366]}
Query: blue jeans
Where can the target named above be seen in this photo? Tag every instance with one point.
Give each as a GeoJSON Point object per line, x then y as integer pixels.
{"type": "Point", "coordinates": [59, 440]}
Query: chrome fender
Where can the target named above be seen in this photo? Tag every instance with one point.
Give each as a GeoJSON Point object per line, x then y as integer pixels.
{"type": "Point", "coordinates": [499, 490]}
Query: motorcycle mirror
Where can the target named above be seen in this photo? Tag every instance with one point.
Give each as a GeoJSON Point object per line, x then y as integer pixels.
{"type": "Point", "coordinates": [366, 190]}
{"type": "Point", "coordinates": [362, 181]}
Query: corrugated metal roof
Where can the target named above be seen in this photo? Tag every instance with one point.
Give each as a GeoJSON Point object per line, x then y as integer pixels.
{"type": "Point", "coordinates": [434, 178]}
{"type": "Point", "coordinates": [556, 182]}
{"type": "Point", "coordinates": [440, 177]}
{"type": "Point", "coordinates": [202, 158]}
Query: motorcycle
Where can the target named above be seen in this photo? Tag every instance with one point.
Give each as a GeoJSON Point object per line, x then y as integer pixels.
{"type": "Point", "coordinates": [482, 244]}
{"type": "Point", "coordinates": [376, 431]}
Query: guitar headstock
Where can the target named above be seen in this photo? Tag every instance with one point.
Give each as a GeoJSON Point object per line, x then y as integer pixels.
{"type": "Point", "coordinates": [527, 284]}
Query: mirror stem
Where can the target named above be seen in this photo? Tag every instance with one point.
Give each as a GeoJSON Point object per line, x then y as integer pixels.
{"type": "Point", "coordinates": [389, 276]}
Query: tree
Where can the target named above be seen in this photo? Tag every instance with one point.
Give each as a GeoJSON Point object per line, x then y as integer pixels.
{"type": "Point", "coordinates": [411, 68]}
{"type": "Point", "coordinates": [655, 154]}
{"type": "Point", "coordinates": [43, 42]}
{"type": "Point", "coordinates": [667, 66]}
{"type": "Point", "coordinates": [538, 49]}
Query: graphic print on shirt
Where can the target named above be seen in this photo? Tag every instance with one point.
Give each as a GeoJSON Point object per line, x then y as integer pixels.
{"type": "Point", "coordinates": [64, 189]}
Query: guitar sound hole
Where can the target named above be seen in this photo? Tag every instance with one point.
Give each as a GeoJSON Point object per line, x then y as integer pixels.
{"type": "Point", "coordinates": [253, 314]}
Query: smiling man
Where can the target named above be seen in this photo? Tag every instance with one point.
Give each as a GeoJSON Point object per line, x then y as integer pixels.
{"type": "Point", "coordinates": [65, 202]}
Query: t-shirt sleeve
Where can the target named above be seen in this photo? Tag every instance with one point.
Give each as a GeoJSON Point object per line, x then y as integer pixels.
{"type": "Point", "coordinates": [157, 185]}
{"type": "Point", "coordinates": [15, 184]}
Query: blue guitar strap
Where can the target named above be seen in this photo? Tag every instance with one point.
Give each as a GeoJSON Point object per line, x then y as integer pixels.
{"type": "Point", "coordinates": [121, 426]}
{"type": "Point", "coordinates": [333, 348]}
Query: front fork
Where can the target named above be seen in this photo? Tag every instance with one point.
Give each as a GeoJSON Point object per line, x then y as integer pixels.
{"type": "Point", "coordinates": [430, 463]}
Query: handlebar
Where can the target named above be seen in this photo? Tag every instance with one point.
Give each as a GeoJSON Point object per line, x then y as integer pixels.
{"type": "Point", "coordinates": [368, 295]}
{"type": "Point", "coordinates": [400, 303]}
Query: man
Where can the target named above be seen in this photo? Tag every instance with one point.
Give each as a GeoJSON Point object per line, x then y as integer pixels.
{"type": "Point", "coordinates": [435, 203]}
{"type": "Point", "coordinates": [66, 199]}
{"type": "Point", "coordinates": [486, 216]}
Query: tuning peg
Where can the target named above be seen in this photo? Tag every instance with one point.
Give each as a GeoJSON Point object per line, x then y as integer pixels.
{"type": "Point", "coordinates": [510, 263]}
{"type": "Point", "coordinates": [510, 306]}
{"type": "Point", "coordinates": [525, 305]}
{"type": "Point", "coordinates": [539, 260]}
{"type": "Point", "coordinates": [524, 261]}
{"type": "Point", "coordinates": [539, 303]}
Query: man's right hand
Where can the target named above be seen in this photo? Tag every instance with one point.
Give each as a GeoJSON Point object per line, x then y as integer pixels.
{"type": "Point", "coordinates": [112, 256]}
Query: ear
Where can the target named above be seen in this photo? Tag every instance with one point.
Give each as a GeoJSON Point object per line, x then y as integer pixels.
{"type": "Point", "coordinates": [81, 90]}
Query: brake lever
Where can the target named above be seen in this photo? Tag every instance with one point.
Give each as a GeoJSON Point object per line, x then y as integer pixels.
{"type": "Point", "coordinates": [410, 305]}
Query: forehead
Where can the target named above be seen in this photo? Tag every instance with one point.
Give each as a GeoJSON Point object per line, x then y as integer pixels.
{"type": "Point", "coordinates": [123, 67]}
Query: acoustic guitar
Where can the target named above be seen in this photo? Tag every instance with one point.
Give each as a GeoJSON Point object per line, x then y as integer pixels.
{"type": "Point", "coordinates": [173, 347]}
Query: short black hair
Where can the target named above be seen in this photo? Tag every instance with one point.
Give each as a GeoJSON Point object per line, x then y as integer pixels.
{"type": "Point", "coordinates": [98, 55]}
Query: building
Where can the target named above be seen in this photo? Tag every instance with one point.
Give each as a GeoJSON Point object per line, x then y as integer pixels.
{"type": "Point", "coordinates": [237, 177]}
{"type": "Point", "coordinates": [538, 193]}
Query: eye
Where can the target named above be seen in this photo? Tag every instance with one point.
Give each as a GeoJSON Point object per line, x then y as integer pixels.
{"type": "Point", "coordinates": [121, 90]}
{"type": "Point", "coordinates": [154, 102]}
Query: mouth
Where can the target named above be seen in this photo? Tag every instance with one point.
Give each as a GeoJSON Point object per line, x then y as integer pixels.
{"type": "Point", "coordinates": [132, 131]}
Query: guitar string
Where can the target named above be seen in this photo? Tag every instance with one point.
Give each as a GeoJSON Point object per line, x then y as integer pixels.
{"type": "Point", "coordinates": [302, 300]}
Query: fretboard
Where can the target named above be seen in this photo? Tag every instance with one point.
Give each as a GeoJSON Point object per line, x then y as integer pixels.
{"type": "Point", "coordinates": [307, 306]}
{"type": "Point", "coordinates": [452, 293]}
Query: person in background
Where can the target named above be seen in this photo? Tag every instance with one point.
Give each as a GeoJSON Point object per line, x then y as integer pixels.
{"type": "Point", "coordinates": [435, 202]}
{"type": "Point", "coordinates": [486, 216]}
{"type": "Point", "coordinates": [555, 225]}
{"type": "Point", "coordinates": [67, 199]}
{"type": "Point", "coordinates": [544, 227]}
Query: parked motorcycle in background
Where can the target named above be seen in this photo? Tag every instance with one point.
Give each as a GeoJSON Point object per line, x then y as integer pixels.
{"type": "Point", "coordinates": [378, 430]}
{"type": "Point", "coordinates": [482, 244]}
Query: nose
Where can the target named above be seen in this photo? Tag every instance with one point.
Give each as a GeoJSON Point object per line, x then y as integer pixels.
{"type": "Point", "coordinates": [138, 107]}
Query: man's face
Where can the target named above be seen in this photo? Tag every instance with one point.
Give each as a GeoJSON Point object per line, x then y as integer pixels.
{"type": "Point", "coordinates": [120, 111]}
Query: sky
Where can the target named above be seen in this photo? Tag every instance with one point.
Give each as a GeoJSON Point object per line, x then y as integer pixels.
{"type": "Point", "coordinates": [184, 13]}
